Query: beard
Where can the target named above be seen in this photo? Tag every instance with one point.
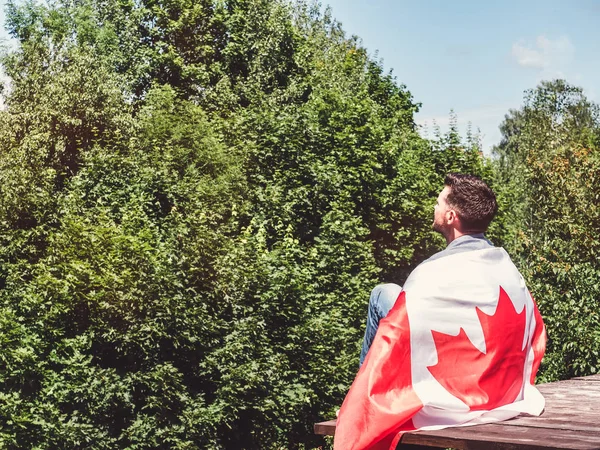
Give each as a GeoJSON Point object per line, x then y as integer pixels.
{"type": "Point", "coordinates": [441, 228]}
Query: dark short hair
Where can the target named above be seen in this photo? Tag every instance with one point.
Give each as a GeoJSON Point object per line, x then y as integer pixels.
{"type": "Point", "coordinates": [473, 201]}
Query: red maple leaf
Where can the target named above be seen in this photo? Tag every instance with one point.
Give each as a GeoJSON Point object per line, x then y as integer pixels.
{"type": "Point", "coordinates": [487, 380]}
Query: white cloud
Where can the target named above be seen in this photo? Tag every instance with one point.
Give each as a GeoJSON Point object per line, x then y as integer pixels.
{"type": "Point", "coordinates": [527, 57]}
{"type": "Point", "coordinates": [545, 54]}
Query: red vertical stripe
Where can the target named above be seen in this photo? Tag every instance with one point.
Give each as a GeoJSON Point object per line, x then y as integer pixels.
{"type": "Point", "coordinates": [538, 342]}
{"type": "Point", "coordinates": [381, 400]}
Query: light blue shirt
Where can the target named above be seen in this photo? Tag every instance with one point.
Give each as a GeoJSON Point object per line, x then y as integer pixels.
{"type": "Point", "coordinates": [465, 243]}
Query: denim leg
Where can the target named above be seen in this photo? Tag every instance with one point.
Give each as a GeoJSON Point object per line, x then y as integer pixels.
{"type": "Point", "coordinates": [383, 297]}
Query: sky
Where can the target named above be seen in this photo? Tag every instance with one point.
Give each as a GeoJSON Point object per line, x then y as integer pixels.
{"type": "Point", "coordinates": [477, 57]}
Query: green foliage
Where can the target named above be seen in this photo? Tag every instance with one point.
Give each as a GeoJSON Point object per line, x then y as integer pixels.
{"type": "Point", "coordinates": [122, 303]}
{"type": "Point", "coordinates": [548, 168]}
{"type": "Point", "coordinates": [196, 199]}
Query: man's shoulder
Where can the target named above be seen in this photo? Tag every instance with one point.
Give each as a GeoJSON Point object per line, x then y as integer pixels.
{"type": "Point", "coordinates": [481, 267]}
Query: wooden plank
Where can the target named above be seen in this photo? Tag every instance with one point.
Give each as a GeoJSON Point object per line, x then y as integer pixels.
{"type": "Point", "coordinates": [571, 420]}
{"type": "Point", "coordinates": [579, 380]}
{"type": "Point", "coordinates": [573, 386]}
{"type": "Point", "coordinates": [325, 428]}
{"type": "Point", "coordinates": [492, 436]}
{"type": "Point", "coordinates": [328, 428]}
{"type": "Point", "coordinates": [586, 384]}
{"type": "Point", "coordinates": [561, 420]}
{"type": "Point", "coordinates": [564, 405]}
{"type": "Point", "coordinates": [575, 390]}
{"type": "Point", "coordinates": [501, 436]}
{"type": "Point", "coordinates": [568, 406]}
{"type": "Point", "coordinates": [589, 378]}
{"type": "Point", "coordinates": [560, 423]}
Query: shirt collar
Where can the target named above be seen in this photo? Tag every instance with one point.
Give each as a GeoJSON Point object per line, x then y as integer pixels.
{"type": "Point", "coordinates": [466, 239]}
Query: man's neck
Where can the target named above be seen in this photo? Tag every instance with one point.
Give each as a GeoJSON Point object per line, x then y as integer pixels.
{"type": "Point", "coordinates": [455, 234]}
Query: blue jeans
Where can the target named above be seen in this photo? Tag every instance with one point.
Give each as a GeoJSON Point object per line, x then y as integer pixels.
{"type": "Point", "coordinates": [381, 301]}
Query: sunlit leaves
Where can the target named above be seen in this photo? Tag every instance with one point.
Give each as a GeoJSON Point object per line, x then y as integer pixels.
{"type": "Point", "coordinates": [196, 199]}
{"type": "Point", "coordinates": [548, 162]}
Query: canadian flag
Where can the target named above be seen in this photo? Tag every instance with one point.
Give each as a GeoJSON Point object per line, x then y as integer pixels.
{"type": "Point", "coordinates": [461, 346]}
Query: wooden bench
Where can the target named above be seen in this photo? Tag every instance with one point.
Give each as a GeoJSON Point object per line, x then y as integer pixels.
{"type": "Point", "coordinates": [571, 420]}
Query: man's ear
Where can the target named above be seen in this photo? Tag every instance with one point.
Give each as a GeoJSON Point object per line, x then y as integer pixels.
{"type": "Point", "coordinates": [451, 217]}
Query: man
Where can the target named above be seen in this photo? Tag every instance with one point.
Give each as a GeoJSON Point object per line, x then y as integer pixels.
{"type": "Point", "coordinates": [476, 203]}
{"type": "Point", "coordinates": [460, 344]}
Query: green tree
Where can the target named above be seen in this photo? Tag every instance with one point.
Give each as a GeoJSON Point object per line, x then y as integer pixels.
{"type": "Point", "coordinates": [547, 164]}
{"type": "Point", "coordinates": [197, 198]}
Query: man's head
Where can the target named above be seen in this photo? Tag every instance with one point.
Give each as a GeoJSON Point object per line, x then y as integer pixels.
{"type": "Point", "coordinates": [466, 205]}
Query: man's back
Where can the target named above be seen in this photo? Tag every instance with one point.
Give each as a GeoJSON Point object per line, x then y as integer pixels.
{"type": "Point", "coordinates": [462, 343]}
{"type": "Point", "coordinates": [460, 346]}
{"type": "Point", "coordinates": [471, 331]}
